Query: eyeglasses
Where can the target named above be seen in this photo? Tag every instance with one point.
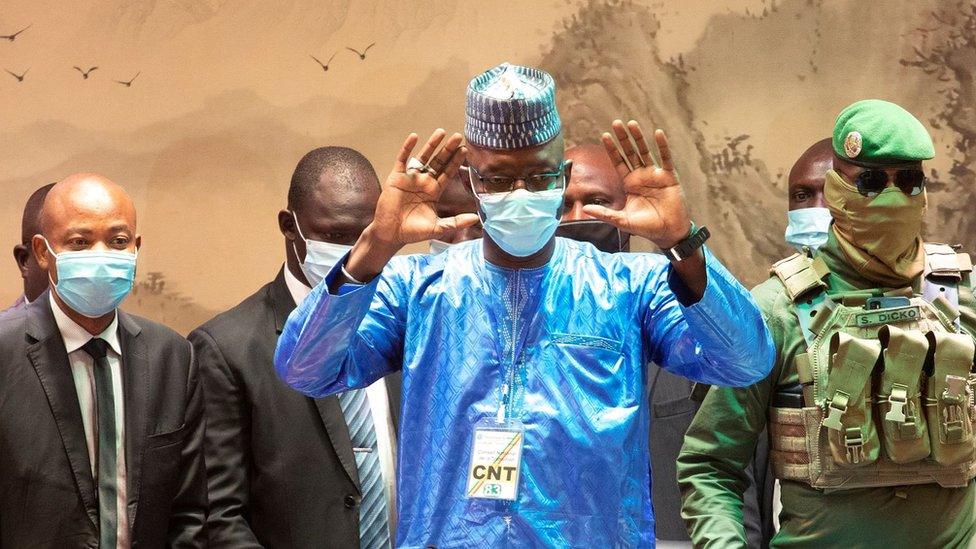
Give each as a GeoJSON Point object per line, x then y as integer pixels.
{"type": "Point", "coordinates": [535, 183]}
{"type": "Point", "coordinates": [870, 183]}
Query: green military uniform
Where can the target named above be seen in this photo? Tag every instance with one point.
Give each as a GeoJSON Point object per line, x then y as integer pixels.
{"type": "Point", "coordinates": [721, 440]}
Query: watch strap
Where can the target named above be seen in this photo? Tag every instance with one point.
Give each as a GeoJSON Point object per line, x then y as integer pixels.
{"type": "Point", "coordinates": [684, 249]}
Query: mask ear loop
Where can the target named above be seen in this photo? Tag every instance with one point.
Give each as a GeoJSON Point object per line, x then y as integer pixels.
{"type": "Point", "coordinates": [620, 240]}
{"type": "Point", "coordinates": [562, 204]}
{"type": "Point", "coordinates": [53, 285]}
{"type": "Point", "coordinates": [481, 214]}
{"type": "Point", "coordinates": [49, 248]}
{"type": "Point", "coordinates": [300, 235]}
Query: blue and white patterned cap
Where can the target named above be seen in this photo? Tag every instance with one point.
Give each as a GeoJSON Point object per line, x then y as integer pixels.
{"type": "Point", "coordinates": [511, 107]}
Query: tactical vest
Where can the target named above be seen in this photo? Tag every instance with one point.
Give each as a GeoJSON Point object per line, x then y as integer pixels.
{"type": "Point", "coordinates": [887, 382]}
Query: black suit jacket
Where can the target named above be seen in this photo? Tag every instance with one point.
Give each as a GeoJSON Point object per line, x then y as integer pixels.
{"type": "Point", "coordinates": [47, 495]}
{"type": "Point", "coordinates": [280, 465]}
{"type": "Point", "coordinates": [672, 410]}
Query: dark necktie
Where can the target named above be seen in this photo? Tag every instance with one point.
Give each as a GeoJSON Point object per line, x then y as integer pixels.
{"type": "Point", "coordinates": [107, 471]}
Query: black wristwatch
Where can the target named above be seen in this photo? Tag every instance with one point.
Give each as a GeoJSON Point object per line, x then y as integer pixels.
{"type": "Point", "coordinates": [687, 247]}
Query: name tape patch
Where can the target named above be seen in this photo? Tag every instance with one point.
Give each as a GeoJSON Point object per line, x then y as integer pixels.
{"type": "Point", "coordinates": [889, 316]}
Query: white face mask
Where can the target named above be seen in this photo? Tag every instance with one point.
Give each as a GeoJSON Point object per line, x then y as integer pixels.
{"type": "Point", "coordinates": [320, 257]}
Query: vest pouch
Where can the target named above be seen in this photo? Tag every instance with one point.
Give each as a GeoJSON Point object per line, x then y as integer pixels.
{"type": "Point", "coordinates": [898, 402]}
{"type": "Point", "coordinates": [851, 433]}
{"type": "Point", "coordinates": [948, 398]}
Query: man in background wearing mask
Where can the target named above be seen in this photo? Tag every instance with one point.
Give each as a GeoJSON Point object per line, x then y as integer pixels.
{"type": "Point", "coordinates": [808, 215]}
{"type": "Point", "coordinates": [456, 199]}
{"type": "Point", "coordinates": [519, 337]}
{"type": "Point", "coordinates": [871, 431]}
{"type": "Point", "coordinates": [35, 278]}
{"type": "Point", "coordinates": [595, 181]}
{"type": "Point", "coordinates": [808, 224]}
{"type": "Point", "coordinates": [101, 412]}
{"type": "Point", "coordinates": [285, 470]}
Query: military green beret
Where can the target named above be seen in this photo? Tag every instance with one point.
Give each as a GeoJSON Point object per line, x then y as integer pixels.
{"type": "Point", "coordinates": [873, 132]}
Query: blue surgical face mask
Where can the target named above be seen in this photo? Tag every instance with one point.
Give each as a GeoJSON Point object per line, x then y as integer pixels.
{"type": "Point", "coordinates": [808, 227]}
{"type": "Point", "coordinates": [521, 222]}
{"type": "Point", "coordinates": [320, 257]}
{"type": "Point", "coordinates": [91, 282]}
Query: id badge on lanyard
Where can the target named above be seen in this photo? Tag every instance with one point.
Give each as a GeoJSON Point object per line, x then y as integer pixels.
{"type": "Point", "coordinates": [496, 442]}
{"type": "Point", "coordinates": [496, 460]}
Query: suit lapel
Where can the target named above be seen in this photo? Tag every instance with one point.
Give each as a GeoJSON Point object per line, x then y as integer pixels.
{"type": "Point", "coordinates": [282, 303]}
{"type": "Point", "coordinates": [50, 361]}
{"type": "Point", "coordinates": [135, 392]}
{"type": "Point", "coordinates": [335, 425]}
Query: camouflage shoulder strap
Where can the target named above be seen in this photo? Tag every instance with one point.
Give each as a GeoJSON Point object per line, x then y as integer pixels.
{"type": "Point", "coordinates": [803, 277]}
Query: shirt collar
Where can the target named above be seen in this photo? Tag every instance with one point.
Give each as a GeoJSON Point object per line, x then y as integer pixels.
{"type": "Point", "coordinates": [75, 336]}
{"type": "Point", "coordinates": [298, 290]}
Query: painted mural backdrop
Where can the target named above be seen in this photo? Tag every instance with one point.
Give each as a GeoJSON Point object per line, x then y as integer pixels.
{"type": "Point", "coordinates": [202, 108]}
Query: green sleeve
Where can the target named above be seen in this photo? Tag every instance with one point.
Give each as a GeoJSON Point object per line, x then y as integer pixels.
{"type": "Point", "coordinates": [721, 442]}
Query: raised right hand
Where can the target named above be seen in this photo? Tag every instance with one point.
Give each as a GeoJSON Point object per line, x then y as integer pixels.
{"type": "Point", "coordinates": [407, 208]}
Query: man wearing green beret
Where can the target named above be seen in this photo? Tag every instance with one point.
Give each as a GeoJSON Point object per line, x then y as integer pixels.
{"type": "Point", "coordinates": [869, 403]}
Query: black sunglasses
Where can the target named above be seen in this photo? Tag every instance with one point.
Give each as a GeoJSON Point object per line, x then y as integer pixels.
{"type": "Point", "coordinates": [870, 183]}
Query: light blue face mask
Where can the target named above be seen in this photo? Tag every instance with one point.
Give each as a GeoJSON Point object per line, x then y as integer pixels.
{"type": "Point", "coordinates": [93, 283]}
{"type": "Point", "coordinates": [320, 257]}
{"type": "Point", "coordinates": [521, 222]}
{"type": "Point", "coordinates": [808, 227]}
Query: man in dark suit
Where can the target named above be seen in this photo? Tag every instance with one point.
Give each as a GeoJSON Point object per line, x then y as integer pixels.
{"type": "Point", "coordinates": [595, 181]}
{"type": "Point", "coordinates": [35, 278]}
{"type": "Point", "coordinates": [285, 470]}
{"type": "Point", "coordinates": [101, 415]}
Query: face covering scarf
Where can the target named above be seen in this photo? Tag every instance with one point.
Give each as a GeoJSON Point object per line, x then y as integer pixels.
{"type": "Point", "coordinates": [320, 257]}
{"type": "Point", "coordinates": [808, 228]}
{"type": "Point", "coordinates": [880, 235]}
{"type": "Point", "coordinates": [93, 283]}
{"type": "Point", "coordinates": [521, 222]}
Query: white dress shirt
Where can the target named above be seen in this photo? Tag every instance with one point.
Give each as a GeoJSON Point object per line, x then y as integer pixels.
{"type": "Point", "coordinates": [379, 406]}
{"type": "Point", "coordinates": [82, 370]}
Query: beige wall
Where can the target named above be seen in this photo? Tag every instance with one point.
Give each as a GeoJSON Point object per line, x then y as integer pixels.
{"type": "Point", "coordinates": [229, 100]}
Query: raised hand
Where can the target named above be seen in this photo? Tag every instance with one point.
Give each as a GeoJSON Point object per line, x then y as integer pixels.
{"type": "Point", "coordinates": [407, 208]}
{"type": "Point", "coordinates": [655, 207]}
{"type": "Point", "coordinates": [406, 211]}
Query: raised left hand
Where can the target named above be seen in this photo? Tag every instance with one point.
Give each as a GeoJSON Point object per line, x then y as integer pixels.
{"type": "Point", "coordinates": [655, 207]}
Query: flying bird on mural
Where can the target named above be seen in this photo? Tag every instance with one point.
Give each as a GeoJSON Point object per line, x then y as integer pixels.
{"type": "Point", "coordinates": [325, 66]}
{"type": "Point", "coordinates": [128, 83]}
{"type": "Point", "coordinates": [12, 37]}
{"type": "Point", "coordinates": [84, 74]}
{"type": "Point", "coordinates": [19, 77]}
{"type": "Point", "coordinates": [361, 54]}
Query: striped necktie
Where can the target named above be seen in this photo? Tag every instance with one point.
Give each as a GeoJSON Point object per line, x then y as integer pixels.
{"type": "Point", "coordinates": [107, 470]}
{"type": "Point", "coordinates": [374, 531]}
